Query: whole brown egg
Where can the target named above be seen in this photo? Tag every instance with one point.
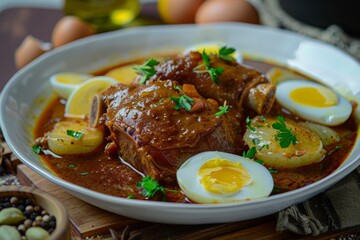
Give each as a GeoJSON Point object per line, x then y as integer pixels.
{"type": "Point", "coordinates": [70, 28]}
{"type": "Point", "coordinates": [29, 49]}
{"type": "Point", "coordinates": [226, 11]}
{"type": "Point", "coordinates": [178, 11]}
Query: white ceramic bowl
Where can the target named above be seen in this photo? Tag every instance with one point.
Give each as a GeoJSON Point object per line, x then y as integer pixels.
{"type": "Point", "coordinates": [23, 98]}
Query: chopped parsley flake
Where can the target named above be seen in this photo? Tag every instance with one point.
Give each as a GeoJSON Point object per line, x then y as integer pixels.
{"type": "Point", "coordinates": [36, 149]}
{"type": "Point", "coordinates": [248, 124]}
{"type": "Point", "coordinates": [72, 165]}
{"type": "Point", "coordinates": [74, 134]}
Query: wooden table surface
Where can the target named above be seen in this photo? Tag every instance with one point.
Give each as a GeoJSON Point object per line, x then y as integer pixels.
{"type": "Point", "coordinates": [15, 24]}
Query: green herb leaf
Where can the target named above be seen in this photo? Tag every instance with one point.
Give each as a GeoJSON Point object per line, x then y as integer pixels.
{"type": "Point", "coordinates": [184, 101]}
{"type": "Point", "coordinates": [260, 161]}
{"type": "Point", "coordinates": [131, 196]}
{"type": "Point", "coordinates": [264, 146]}
{"type": "Point", "coordinates": [74, 134]}
{"type": "Point", "coordinates": [214, 72]}
{"type": "Point", "coordinates": [250, 153]}
{"type": "Point", "coordinates": [256, 141]}
{"type": "Point", "coordinates": [284, 136]}
{"type": "Point", "coordinates": [147, 69]}
{"type": "Point", "coordinates": [149, 187]}
{"type": "Point", "coordinates": [248, 124]}
{"type": "Point", "coordinates": [277, 189]}
{"type": "Point", "coordinates": [272, 170]}
{"type": "Point", "coordinates": [36, 149]}
{"type": "Point", "coordinates": [72, 165]}
{"type": "Point", "coordinates": [338, 147]}
{"type": "Point", "coordinates": [223, 109]}
{"type": "Point", "coordinates": [224, 53]}
{"type": "Point", "coordinates": [84, 173]}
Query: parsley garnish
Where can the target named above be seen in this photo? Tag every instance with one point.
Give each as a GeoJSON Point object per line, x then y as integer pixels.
{"type": "Point", "coordinates": [214, 72]}
{"type": "Point", "coordinates": [250, 153]}
{"type": "Point", "coordinates": [248, 122]}
{"type": "Point", "coordinates": [147, 70]}
{"type": "Point", "coordinates": [284, 136]}
{"type": "Point", "coordinates": [84, 173]}
{"type": "Point", "coordinates": [184, 101]}
{"type": "Point", "coordinates": [223, 109]}
{"type": "Point", "coordinates": [131, 196]}
{"type": "Point", "coordinates": [74, 134]}
{"type": "Point", "coordinates": [72, 165]}
{"type": "Point", "coordinates": [272, 170]}
{"type": "Point", "coordinates": [149, 187]}
{"type": "Point", "coordinates": [338, 147]}
{"type": "Point", "coordinates": [36, 149]}
{"type": "Point", "coordinates": [224, 53]}
{"type": "Point", "coordinates": [260, 161]}
{"type": "Point", "coordinates": [277, 189]}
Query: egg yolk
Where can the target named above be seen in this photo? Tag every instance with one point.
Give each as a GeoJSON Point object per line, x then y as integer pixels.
{"type": "Point", "coordinates": [314, 96]}
{"type": "Point", "coordinates": [211, 49]}
{"type": "Point", "coordinates": [69, 78]}
{"type": "Point", "coordinates": [221, 176]}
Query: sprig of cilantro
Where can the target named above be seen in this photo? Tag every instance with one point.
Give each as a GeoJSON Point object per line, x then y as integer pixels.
{"type": "Point", "coordinates": [222, 110]}
{"type": "Point", "coordinates": [147, 69]}
{"type": "Point", "coordinates": [224, 53]}
{"type": "Point", "coordinates": [284, 136]}
{"type": "Point", "coordinates": [213, 72]}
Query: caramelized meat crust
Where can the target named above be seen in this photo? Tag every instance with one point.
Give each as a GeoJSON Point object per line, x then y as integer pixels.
{"type": "Point", "coordinates": [154, 137]}
{"type": "Point", "coordinates": [239, 86]}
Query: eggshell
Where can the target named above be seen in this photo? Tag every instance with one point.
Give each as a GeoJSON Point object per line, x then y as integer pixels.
{"type": "Point", "coordinates": [70, 28]}
{"type": "Point", "coordinates": [178, 11]}
{"type": "Point", "coordinates": [226, 11]}
{"type": "Point", "coordinates": [29, 49]}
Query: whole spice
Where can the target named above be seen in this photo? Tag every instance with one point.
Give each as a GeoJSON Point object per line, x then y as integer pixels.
{"type": "Point", "coordinates": [28, 219]}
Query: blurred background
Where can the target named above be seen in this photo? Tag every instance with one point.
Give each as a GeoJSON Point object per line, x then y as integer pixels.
{"type": "Point", "coordinates": [31, 24]}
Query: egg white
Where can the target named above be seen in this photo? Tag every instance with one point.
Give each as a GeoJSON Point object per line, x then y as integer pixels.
{"type": "Point", "coordinates": [213, 45]}
{"type": "Point", "coordinates": [331, 116]}
{"type": "Point", "coordinates": [187, 176]}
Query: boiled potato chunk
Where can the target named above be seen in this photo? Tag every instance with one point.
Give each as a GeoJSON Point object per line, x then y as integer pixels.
{"type": "Point", "coordinates": [326, 134]}
{"type": "Point", "coordinates": [261, 134]}
{"type": "Point", "coordinates": [125, 74]}
{"type": "Point", "coordinates": [61, 143]}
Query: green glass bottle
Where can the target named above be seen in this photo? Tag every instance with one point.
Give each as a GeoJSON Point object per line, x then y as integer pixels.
{"type": "Point", "coordinates": [104, 15]}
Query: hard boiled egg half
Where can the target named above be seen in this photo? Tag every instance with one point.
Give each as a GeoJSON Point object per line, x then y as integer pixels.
{"type": "Point", "coordinates": [313, 101]}
{"type": "Point", "coordinates": [64, 83]}
{"type": "Point", "coordinates": [219, 177]}
{"type": "Point", "coordinates": [213, 48]}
